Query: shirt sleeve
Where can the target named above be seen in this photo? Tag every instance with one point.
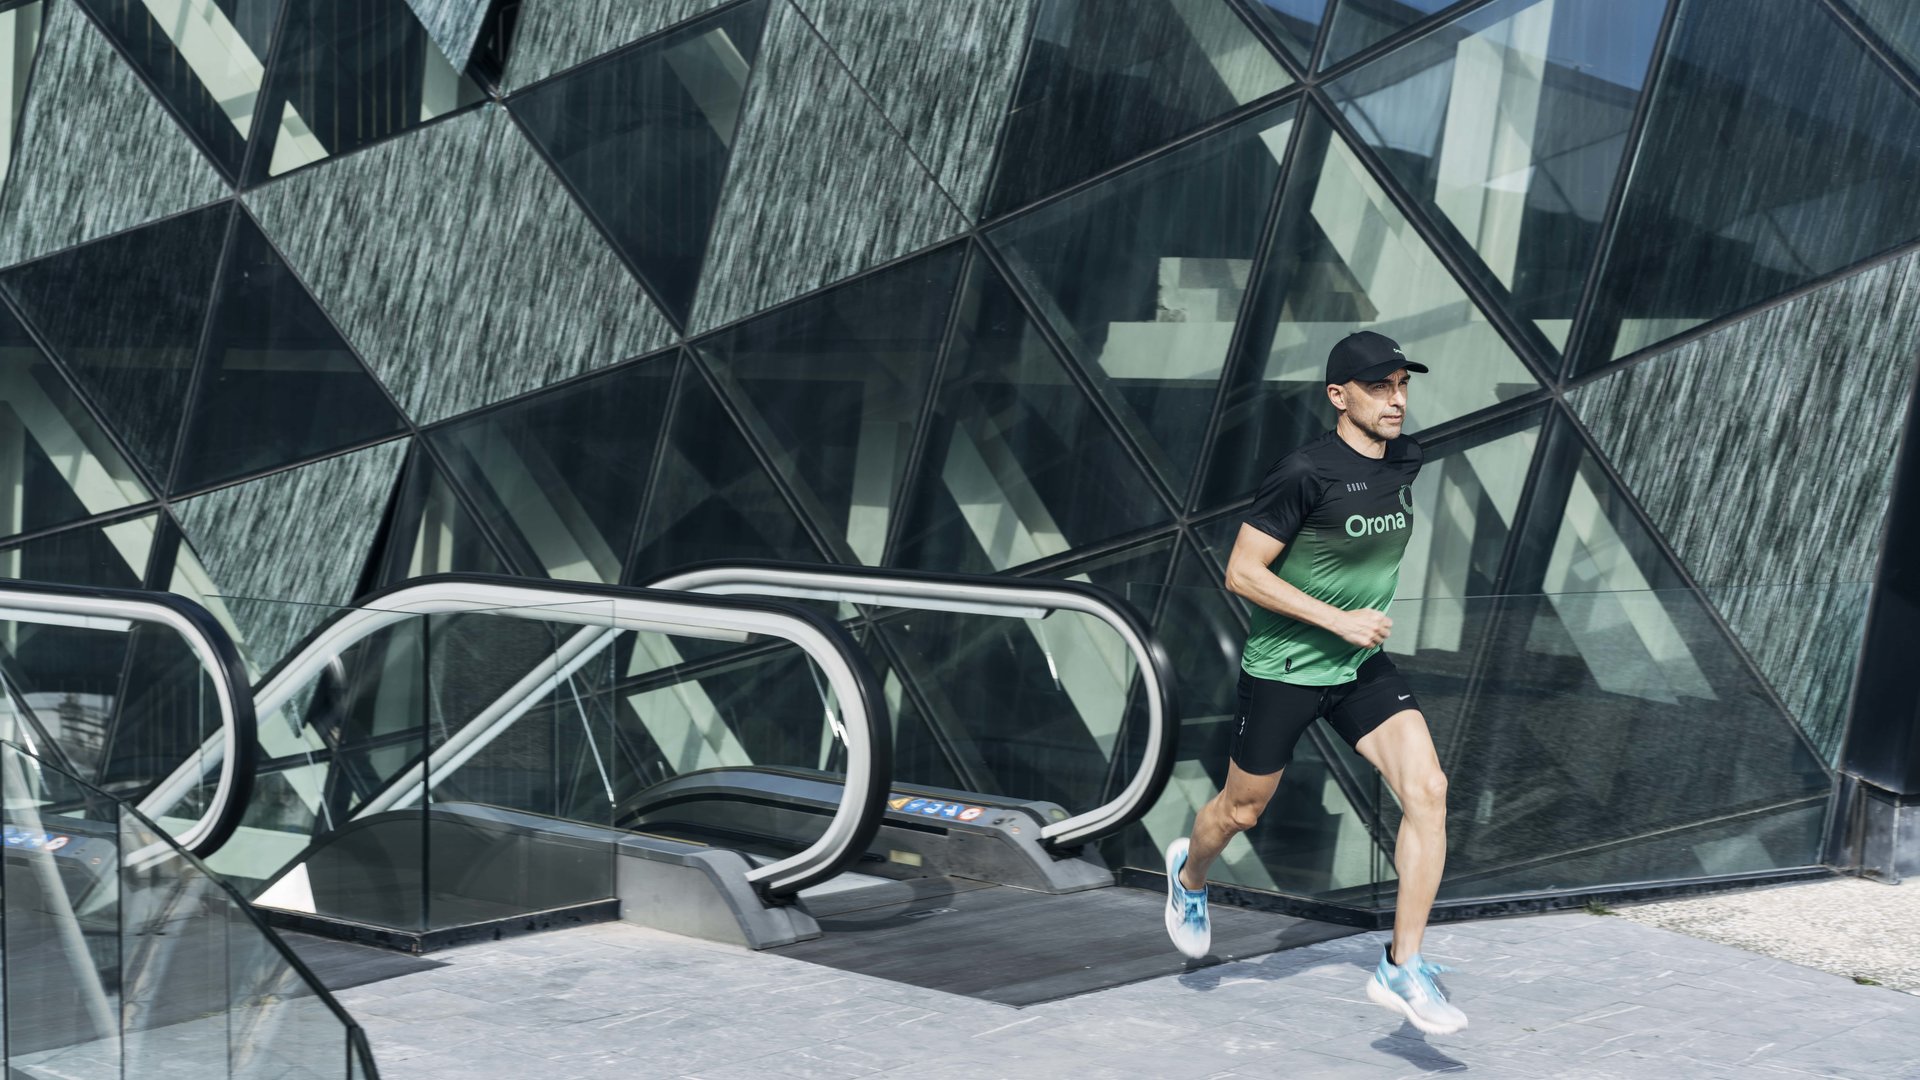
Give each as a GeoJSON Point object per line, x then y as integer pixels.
{"type": "Point", "coordinates": [1286, 496]}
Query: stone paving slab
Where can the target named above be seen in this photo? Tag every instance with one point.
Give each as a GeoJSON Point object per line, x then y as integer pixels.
{"type": "Point", "coordinates": [1569, 996]}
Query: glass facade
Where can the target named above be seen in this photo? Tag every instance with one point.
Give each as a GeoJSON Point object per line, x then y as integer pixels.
{"type": "Point", "coordinates": [1152, 229]}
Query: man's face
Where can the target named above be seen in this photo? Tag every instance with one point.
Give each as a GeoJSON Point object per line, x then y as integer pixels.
{"type": "Point", "coordinates": [1378, 408]}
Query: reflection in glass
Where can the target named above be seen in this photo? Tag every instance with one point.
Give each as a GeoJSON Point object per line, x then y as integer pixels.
{"type": "Point", "coordinates": [643, 139]}
{"type": "Point", "coordinates": [1098, 90]}
{"type": "Point", "coordinates": [1346, 259]}
{"type": "Point", "coordinates": [347, 75]}
{"type": "Point", "coordinates": [561, 475]}
{"type": "Point", "coordinates": [1295, 22]}
{"type": "Point", "coordinates": [711, 498]}
{"type": "Point", "coordinates": [280, 386]}
{"type": "Point", "coordinates": [1510, 124]}
{"type": "Point", "coordinates": [19, 39]}
{"type": "Point", "coordinates": [205, 57]}
{"type": "Point", "coordinates": [173, 961]}
{"type": "Point", "coordinates": [1143, 276]}
{"type": "Point", "coordinates": [1895, 22]}
{"type": "Point", "coordinates": [1360, 23]}
{"type": "Point", "coordinates": [125, 315]}
{"type": "Point", "coordinates": [832, 388]}
{"type": "Point", "coordinates": [1018, 465]}
{"type": "Point", "coordinates": [432, 532]}
{"type": "Point", "coordinates": [1723, 210]}
{"type": "Point", "coordinates": [56, 464]}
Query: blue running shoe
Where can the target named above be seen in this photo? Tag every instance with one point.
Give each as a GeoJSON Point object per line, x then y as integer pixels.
{"type": "Point", "coordinates": [1187, 921]}
{"type": "Point", "coordinates": [1409, 990]}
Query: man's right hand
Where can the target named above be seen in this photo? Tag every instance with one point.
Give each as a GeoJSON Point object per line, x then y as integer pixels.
{"type": "Point", "coordinates": [1364, 627]}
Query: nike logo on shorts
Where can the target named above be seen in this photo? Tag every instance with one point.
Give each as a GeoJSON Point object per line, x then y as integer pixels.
{"type": "Point", "coordinates": [1404, 697]}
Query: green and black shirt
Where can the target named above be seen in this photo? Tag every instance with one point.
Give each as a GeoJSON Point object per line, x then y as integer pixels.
{"type": "Point", "coordinates": [1345, 519]}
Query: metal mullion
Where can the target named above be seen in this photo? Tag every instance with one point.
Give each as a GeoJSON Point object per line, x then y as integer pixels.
{"type": "Point", "coordinates": [260, 474]}
{"type": "Point", "coordinates": [26, 90]}
{"type": "Point", "coordinates": [1066, 560]}
{"type": "Point", "coordinates": [1888, 58]}
{"type": "Point", "coordinates": [999, 156]}
{"type": "Point", "coordinates": [111, 517]}
{"type": "Point", "coordinates": [1071, 365]}
{"type": "Point", "coordinates": [614, 55]}
{"type": "Point", "coordinates": [1523, 340]}
{"type": "Point", "coordinates": [910, 688]}
{"type": "Point", "coordinates": [392, 136]}
{"type": "Point", "coordinates": [593, 217]}
{"type": "Point", "coordinates": [656, 468]}
{"type": "Point", "coordinates": [1250, 307]}
{"type": "Point", "coordinates": [929, 409]}
{"type": "Point", "coordinates": [1386, 44]}
{"type": "Point", "coordinates": [1616, 196]}
{"type": "Point", "coordinates": [1258, 27]}
{"type": "Point", "coordinates": [232, 182]}
{"type": "Point", "coordinates": [552, 388]}
{"type": "Point", "coordinates": [268, 68]}
{"type": "Point", "coordinates": [822, 544]}
{"type": "Point", "coordinates": [704, 336]}
{"type": "Point", "coordinates": [202, 350]}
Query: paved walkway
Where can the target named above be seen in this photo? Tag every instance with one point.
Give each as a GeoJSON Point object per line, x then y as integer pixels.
{"type": "Point", "coordinates": [1570, 996]}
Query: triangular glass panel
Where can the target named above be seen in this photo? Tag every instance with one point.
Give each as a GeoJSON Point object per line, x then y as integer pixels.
{"type": "Point", "coordinates": [1657, 723]}
{"type": "Point", "coordinates": [114, 556]}
{"type": "Point", "coordinates": [279, 385]}
{"type": "Point", "coordinates": [1346, 259]}
{"type": "Point", "coordinates": [1099, 90]}
{"type": "Point", "coordinates": [643, 139]}
{"type": "Point", "coordinates": [833, 387]}
{"type": "Point", "coordinates": [345, 76]}
{"type": "Point", "coordinates": [1357, 24]}
{"type": "Point", "coordinates": [55, 459]}
{"type": "Point", "coordinates": [1723, 209]}
{"type": "Point", "coordinates": [124, 316]}
{"type": "Point", "coordinates": [560, 477]}
{"type": "Point", "coordinates": [432, 532]}
{"type": "Point", "coordinates": [1144, 276]}
{"type": "Point", "coordinates": [1894, 22]}
{"type": "Point", "coordinates": [554, 35]}
{"type": "Point", "coordinates": [1295, 22]}
{"type": "Point", "coordinates": [1018, 465]}
{"type": "Point", "coordinates": [1509, 124]}
{"type": "Point", "coordinates": [454, 26]}
{"type": "Point", "coordinates": [20, 26]}
{"type": "Point", "coordinates": [710, 497]}
{"type": "Point", "coordinates": [206, 58]}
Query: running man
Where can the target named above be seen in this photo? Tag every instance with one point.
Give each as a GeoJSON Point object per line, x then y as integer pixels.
{"type": "Point", "coordinates": [1318, 555]}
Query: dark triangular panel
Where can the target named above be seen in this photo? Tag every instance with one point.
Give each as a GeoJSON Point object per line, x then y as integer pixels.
{"type": "Point", "coordinates": [1509, 124]}
{"type": "Point", "coordinates": [1776, 151]}
{"type": "Point", "coordinates": [643, 140]}
{"type": "Point", "coordinates": [1345, 259]}
{"type": "Point", "coordinates": [125, 316]}
{"type": "Point", "coordinates": [554, 35]}
{"type": "Point", "coordinates": [1098, 90]}
{"type": "Point", "coordinates": [279, 385]}
{"type": "Point", "coordinates": [1144, 276]}
{"type": "Point", "coordinates": [1295, 22]}
{"type": "Point", "coordinates": [560, 477]}
{"type": "Point", "coordinates": [711, 497]}
{"type": "Point", "coordinates": [1357, 24]}
{"type": "Point", "coordinates": [207, 61]}
{"type": "Point", "coordinates": [1019, 465]}
{"type": "Point", "coordinates": [833, 388]}
{"type": "Point", "coordinates": [95, 152]}
{"type": "Point", "coordinates": [943, 73]}
{"type": "Point", "coordinates": [432, 530]}
{"type": "Point", "coordinates": [59, 463]}
{"type": "Point", "coordinates": [1797, 604]}
{"type": "Point", "coordinates": [348, 75]}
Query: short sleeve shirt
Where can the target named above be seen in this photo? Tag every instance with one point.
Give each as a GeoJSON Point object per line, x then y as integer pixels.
{"type": "Point", "coordinates": [1345, 519]}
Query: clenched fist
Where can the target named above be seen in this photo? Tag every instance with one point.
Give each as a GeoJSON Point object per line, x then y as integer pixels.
{"type": "Point", "coordinates": [1364, 627]}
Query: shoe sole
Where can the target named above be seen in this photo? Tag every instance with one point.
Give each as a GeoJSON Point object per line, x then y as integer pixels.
{"type": "Point", "coordinates": [1387, 999]}
{"type": "Point", "coordinates": [1171, 920]}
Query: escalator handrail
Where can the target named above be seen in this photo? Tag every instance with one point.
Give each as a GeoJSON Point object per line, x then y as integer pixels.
{"type": "Point", "coordinates": [235, 749]}
{"type": "Point", "coordinates": [979, 594]}
{"type": "Point", "coordinates": [862, 705]}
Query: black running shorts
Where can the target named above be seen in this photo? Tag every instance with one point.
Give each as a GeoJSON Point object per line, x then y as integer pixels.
{"type": "Point", "coordinates": [1271, 716]}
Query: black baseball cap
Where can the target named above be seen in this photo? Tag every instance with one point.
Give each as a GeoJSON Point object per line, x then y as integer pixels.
{"type": "Point", "coordinates": [1364, 356]}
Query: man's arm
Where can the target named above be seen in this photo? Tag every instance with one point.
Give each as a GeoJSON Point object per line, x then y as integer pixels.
{"type": "Point", "coordinates": [1249, 576]}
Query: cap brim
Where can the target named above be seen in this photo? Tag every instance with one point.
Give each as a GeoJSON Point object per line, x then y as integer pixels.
{"type": "Point", "coordinates": [1382, 370]}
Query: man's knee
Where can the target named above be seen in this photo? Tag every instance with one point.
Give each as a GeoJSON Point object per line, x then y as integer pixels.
{"type": "Point", "coordinates": [1427, 793]}
{"type": "Point", "coordinates": [1243, 815]}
